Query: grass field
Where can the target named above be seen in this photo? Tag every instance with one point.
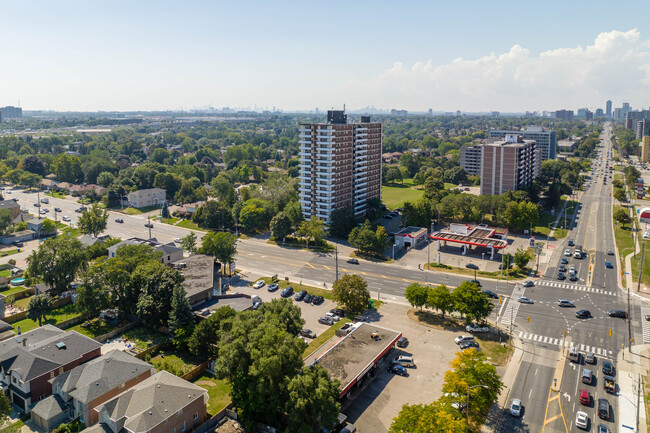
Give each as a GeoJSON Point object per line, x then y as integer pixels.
{"type": "Point", "coordinates": [624, 243]}
{"type": "Point", "coordinates": [132, 211]}
{"type": "Point", "coordinates": [189, 225]}
{"type": "Point", "coordinates": [396, 195]}
{"type": "Point", "coordinates": [218, 391]}
{"type": "Point", "coordinates": [11, 290]}
{"type": "Point", "coordinates": [66, 229]}
{"type": "Point", "coordinates": [143, 337]}
{"type": "Point", "coordinates": [171, 221]}
{"type": "Point", "coordinates": [55, 316]}
{"type": "Point", "coordinates": [57, 194]}
{"type": "Point", "coordinates": [175, 362]}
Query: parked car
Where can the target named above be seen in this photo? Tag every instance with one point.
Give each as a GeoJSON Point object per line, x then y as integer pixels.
{"type": "Point", "coordinates": [404, 361]}
{"type": "Point", "coordinates": [57, 209]}
{"type": "Point", "coordinates": [287, 292]}
{"type": "Point", "coordinates": [585, 397]}
{"type": "Point", "coordinates": [462, 338]}
{"type": "Point", "coordinates": [515, 407]}
{"type": "Point", "coordinates": [257, 305]}
{"type": "Point", "coordinates": [603, 408]}
{"type": "Point", "coordinates": [259, 284]}
{"type": "Point", "coordinates": [562, 268]}
{"type": "Point", "coordinates": [37, 204]}
{"type": "Point", "coordinates": [491, 294]}
{"type": "Point", "coordinates": [582, 420]}
{"type": "Point", "coordinates": [608, 368]}
{"type": "Point", "coordinates": [353, 261]}
{"type": "Point", "coordinates": [317, 300]}
{"type": "Point", "coordinates": [45, 200]}
{"type": "Point", "coordinates": [622, 314]}
{"type": "Point", "coordinates": [308, 298]}
{"type": "Point", "coordinates": [525, 300]}
{"type": "Point", "coordinates": [573, 277]}
{"type": "Point", "coordinates": [402, 342]}
{"type": "Point", "coordinates": [475, 327]}
{"type": "Point", "coordinates": [339, 312]}
{"type": "Point", "coordinates": [602, 428]}
{"type": "Point", "coordinates": [78, 210]}
{"type": "Point", "coordinates": [398, 369]}
{"type": "Point", "coordinates": [333, 316]}
{"type": "Point", "coordinates": [561, 276]}
{"type": "Point", "coordinates": [469, 345]}
{"type": "Point", "coordinates": [565, 303]}
{"type": "Point", "coordinates": [272, 287]}
{"type": "Point", "coordinates": [583, 314]}
{"type": "Point", "coordinates": [17, 244]}
{"type": "Point", "coordinates": [300, 295]}
{"type": "Point", "coordinates": [528, 283]}
{"type": "Point", "coordinates": [326, 321]}
{"type": "Point", "coordinates": [307, 333]}
{"type": "Point", "coordinates": [119, 220]}
{"type": "Point", "coordinates": [66, 218]}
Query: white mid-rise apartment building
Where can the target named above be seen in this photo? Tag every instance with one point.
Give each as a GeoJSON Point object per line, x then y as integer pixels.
{"type": "Point", "coordinates": [340, 165]}
{"type": "Point", "coordinates": [546, 140]}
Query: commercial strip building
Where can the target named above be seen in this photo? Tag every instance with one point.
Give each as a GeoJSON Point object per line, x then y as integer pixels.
{"type": "Point", "coordinates": [645, 149]}
{"type": "Point", "coordinates": [411, 237]}
{"type": "Point", "coordinates": [340, 165]}
{"type": "Point", "coordinates": [353, 357]}
{"type": "Point", "coordinates": [546, 140]}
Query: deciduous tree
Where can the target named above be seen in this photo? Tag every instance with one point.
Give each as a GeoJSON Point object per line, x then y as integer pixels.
{"type": "Point", "coordinates": [429, 418]}
{"type": "Point", "coordinates": [312, 230]}
{"type": "Point", "coordinates": [221, 245]}
{"type": "Point", "coordinates": [471, 302]}
{"type": "Point", "coordinates": [281, 226]}
{"type": "Point", "coordinates": [351, 291]}
{"type": "Point", "coordinates": [188, 243]}
{"type": "Point", "coordinates": [522, 257]}
{"type": "Point", "coordinates": [57, 261]}
{"type": "Point", "coordinates": [441, 299]}
{"type": "Point", "coordinates": [93, 220]}
{"type": "Point", "coordinates": [416, 294]}
{"type": "Point", "coordinates": [312, 400]}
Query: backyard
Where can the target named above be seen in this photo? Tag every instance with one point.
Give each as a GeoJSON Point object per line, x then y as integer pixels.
{"type": "Point", "coordinates": [175, 362]}
{"type": "Point", "coordinates": [94, 328]}
{"type": "Point", "coordinates": [54, 317]}
{"type": "Point", "coordinates": [218, 391]}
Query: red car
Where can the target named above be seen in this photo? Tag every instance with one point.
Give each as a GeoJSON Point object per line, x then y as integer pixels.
{"type": "Point", "coordinates": [585, 397]}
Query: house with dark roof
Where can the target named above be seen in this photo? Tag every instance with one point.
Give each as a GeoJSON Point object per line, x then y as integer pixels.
{"type": "Point", "coordinates": [76, 393]}
{"type": "Point", "coordinates": [89, 240]}
{"type": "Point", "coordinates": [12, 206]}
{"type": "Point", "coordinates": [163, 403]}
{"type": "Point", "coordinates": [30, 360]}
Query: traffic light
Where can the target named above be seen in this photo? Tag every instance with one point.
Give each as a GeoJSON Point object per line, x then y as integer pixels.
{"type": "Point", "coordinates": [528, 319]}
{"type": "Point", "coordinates": [610, 332]}
{"type": "Point", "coordinates": [564, 334]}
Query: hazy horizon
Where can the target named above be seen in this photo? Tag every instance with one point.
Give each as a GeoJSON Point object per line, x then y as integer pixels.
{"type": "Point", "coordinates": [297, 56]}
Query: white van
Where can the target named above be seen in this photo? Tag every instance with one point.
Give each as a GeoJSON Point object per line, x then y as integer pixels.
{"type": "Point", "coordinates": [574, 354]}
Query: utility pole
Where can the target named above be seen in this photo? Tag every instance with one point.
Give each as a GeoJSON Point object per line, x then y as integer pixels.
{"type": "Point", "coordinates": [336, 249]}
{"type": "Point", "coordinates": [638, 288]}
{"type": "Point", "coordinates": [149, 225]}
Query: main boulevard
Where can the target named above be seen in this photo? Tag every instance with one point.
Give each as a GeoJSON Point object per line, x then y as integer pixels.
{"type": "Point", "coordinates": [546, 383]}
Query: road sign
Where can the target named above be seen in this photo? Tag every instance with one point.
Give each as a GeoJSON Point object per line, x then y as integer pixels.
{"type": "Point", "coordinates": [232, 268]}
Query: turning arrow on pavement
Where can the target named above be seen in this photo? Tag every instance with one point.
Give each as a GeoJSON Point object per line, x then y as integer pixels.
{"type": "Point", "coordinates": [567, 396]}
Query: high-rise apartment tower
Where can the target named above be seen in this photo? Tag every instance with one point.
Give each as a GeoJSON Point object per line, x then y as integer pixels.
{"type": "Point", "coordinates": [340, 165]}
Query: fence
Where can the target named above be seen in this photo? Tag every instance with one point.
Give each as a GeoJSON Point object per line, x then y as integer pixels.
{"type": "Point", "coordinates": [70, 322]}
{"type": "Point", "coordinates": [114, 332]}
{"type": "Point", "coordinates": [196, 371]}
{"type": "Point", "coordinates": [148, 350]}
{"type": "Point", "coordinates": [215, 419]}
{"type": "Point", "coordinates": [20, 316]}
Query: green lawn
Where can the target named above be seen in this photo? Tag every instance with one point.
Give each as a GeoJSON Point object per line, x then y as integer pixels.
{"type": "Point", "coordinates": [171, 221]}
{"type": "Point", "coordinates": [322, 338]}
{"type": "Point", "coordinates": [450, 185]}
{"type": "Point", "coordinates": [301, 244]}
{"type": "Point", "coordinates": [57, 194]}
{"type": "Point", "coordinates": [514, 273]}
{"type": "Point", "coordinates": [95, 328]}
{"type": "Point", "coordinates": [11, 290]}
{"type": "Point", "coordinates": [143, 337]}
{"type": "Point", "coordinates": [218, 391]}
{"type": "Point", "coordinates": [5, 253]}
{"type": "Point", "coordinates": [624, 243]}
{"type": "Point", "coordinates": [396, 196]}
{"type": "Point", "coordinates": [5, 273]}
{"type": "Point", "coordinates": [57, 315]}
{"type": "Point", "coordinates": [132, 211]}
{"type": "Point", "coordinates": [175, 362]}
{"type": "Point", "coordinates": [189, 225]}
{"type": "Point", "coordinates": [66, 229]}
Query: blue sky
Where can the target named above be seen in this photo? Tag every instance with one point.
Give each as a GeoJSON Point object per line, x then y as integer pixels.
{"type": "Point", "coordinates": [471, 55]}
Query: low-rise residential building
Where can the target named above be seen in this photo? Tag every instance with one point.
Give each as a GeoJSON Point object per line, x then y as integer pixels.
{"type": "Point", "coordinates": [12, 206]}
{"type": "Point", "coordinates": [29, 361]}
{"type": "Point", "coordinates": [163, 403]}
{"type": "Point", "coordinates": [170, 252]}
{"type": "Point", "coordinates": [75, 394]}
{"type": "Point", "coordinates": [145, 198]}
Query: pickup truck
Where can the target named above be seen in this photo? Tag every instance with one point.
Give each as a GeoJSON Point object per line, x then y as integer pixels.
{"type": "Point", "coordinates": [473, 327]}
{"type": "Point", "coordinates": [609, 384]}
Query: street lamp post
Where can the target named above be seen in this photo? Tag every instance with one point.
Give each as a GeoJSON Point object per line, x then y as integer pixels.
{"type": "Point", "coordinates": [467, 404]}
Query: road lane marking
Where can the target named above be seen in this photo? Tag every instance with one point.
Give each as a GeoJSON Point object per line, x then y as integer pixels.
{"type": "Point", "coordinates": [551, 419]}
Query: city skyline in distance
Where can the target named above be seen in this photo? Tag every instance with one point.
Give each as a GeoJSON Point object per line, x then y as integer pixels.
{"type": "Point", "coordinates": [296, 57]}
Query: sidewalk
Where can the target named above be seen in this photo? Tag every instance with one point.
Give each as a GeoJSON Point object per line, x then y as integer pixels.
{"type": "Point", "coordinates": [631, 410]}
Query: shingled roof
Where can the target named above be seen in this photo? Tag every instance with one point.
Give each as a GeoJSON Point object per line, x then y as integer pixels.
{"type": "Point", "coordinates": [99, 376]}
{"type": "Point", "coordinates": [150, 402]}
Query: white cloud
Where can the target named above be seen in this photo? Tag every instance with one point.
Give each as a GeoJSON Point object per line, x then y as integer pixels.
{"type": "Point", "coordinates": [616, 66]}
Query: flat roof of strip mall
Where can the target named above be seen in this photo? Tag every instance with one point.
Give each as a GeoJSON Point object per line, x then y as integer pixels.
{"type": "Point", "coordinates": [479, 236]}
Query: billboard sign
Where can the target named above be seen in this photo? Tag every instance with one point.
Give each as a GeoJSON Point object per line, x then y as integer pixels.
{"type": "Point", "coordinates": [644, 215]}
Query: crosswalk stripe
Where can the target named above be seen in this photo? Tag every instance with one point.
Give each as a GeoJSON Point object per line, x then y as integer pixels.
{"type": "Point", "coordinates": [562, 343]}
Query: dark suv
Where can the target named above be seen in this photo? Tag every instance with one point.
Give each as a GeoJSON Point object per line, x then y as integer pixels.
{"type": "Point", "coordinates": [617, 313]}
{"type": "Point", "coordinates": [603, 408]}
{"type": "Point", "coordinates": [287, 292]}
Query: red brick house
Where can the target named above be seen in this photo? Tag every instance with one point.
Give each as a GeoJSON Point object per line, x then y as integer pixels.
{"type": "Point", "coordinates": [30, 360]}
